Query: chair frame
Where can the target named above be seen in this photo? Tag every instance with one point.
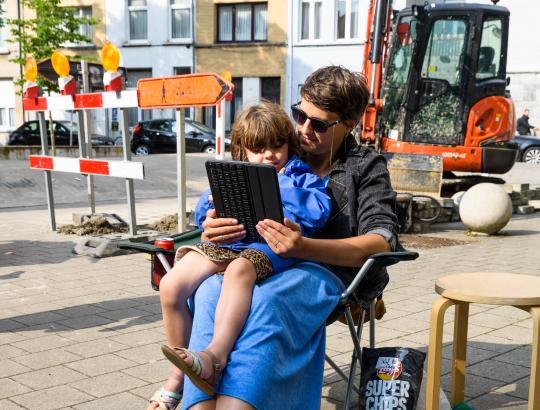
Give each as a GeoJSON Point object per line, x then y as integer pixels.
{"type": "Point", "coordinates": [347, 299]}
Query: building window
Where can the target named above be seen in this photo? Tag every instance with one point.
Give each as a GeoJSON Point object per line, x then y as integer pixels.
{"type": "Point", "coordinates": [242, 22]}
{"type": "Point", "coordinates": [3, 37]}
{"type": "Point", "coordinates": [270, 88]}
{"type": "Point", "coordinates": [7, 105]}
{"type": "Point", "coordinates": [347, 19]}
{"type": "Point", "coordinates": [138, 20]}
{"type": "Point", "coordinates": [134, 75]}
{"type": "Point", "coordinates": [180, 19]}
{"type": "Point", "coordinates": [84, 29]}
{"type": "Point", "coordinates": [310, 20]}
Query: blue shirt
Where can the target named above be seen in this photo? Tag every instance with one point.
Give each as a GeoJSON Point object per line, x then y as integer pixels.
{"type": "Point", "coordinates": [305, 202]}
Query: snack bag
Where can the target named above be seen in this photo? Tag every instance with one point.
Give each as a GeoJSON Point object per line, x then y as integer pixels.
{"type": "Point", "coordinates": [391, 378]}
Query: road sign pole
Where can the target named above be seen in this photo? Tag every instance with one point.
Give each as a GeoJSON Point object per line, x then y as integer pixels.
{"type": "Point", "coordinates": [220, 129]}
{"type": "Point", "coordinates": [129, 181]}
{"type": "Point", "coordinates": [88, 136]}
{"type": "Point", "coordinates": [181, 169]}
{"type": "Point", "coordinates": [48, 180]}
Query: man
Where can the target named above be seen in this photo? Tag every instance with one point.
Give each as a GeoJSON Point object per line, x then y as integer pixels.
{"type": "Point", "coordinates": [523, 126]}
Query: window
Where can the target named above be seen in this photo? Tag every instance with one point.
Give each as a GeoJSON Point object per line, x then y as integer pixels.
{"type": "Point", "coordinates": [3, 37]}
{"type": "Point", "coordinates": [133, 76]}
{"type": "Point", "coordinates": [347, 19]}
{"type": "Point", "coordinates": [84, 29]}
{"type": "Point", "coordinates": [7, 104]}
{"type": "Point", "coordinates": [138, 20]}
{"type": "Point", "coordinates": [310, 20]}
{"type": "Point", "coordinates": [242, 22]}
{"type": "Point", "coordinates": [489, 56]}
{"type": "Point", "coordinates": [180, 19]}
{"type": "Point", "coordinates": [270, 88]}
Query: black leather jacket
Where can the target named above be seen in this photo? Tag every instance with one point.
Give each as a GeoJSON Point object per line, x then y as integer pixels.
{"type": "Point", "coordinates": [363, 201]}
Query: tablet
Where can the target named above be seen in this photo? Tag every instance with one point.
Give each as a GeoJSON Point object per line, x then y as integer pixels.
{"type": "Point", "coordinates": [246, 191]}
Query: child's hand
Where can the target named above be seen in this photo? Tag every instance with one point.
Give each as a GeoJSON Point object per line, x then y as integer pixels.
{"type": "Point", "coordinates": [221, 230]}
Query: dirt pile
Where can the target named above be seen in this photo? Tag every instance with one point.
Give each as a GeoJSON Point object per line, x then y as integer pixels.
{"type": "Point", "coordinates": [94, 226]}
{"type": "Point", "coordinates": [410, 241]}
{"type": "Point", "coordinates": [168, 223]}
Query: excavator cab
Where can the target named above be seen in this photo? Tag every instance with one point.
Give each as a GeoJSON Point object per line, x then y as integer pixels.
{"type": "Point", "coordinates": [444, 87]}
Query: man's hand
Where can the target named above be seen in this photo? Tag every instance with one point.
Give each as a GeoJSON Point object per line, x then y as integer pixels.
{"type": "Point", "coordinates": [285, 239]}
{"type": "Point", "coordinates": [221, 230]}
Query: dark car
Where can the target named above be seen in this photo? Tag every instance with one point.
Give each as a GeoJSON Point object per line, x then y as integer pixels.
{"type": "Point", "coordinates": [155, 136]}
{"type": "Point", "coordinates": [64, 132]}
{"type": "Point", "coordinates": [529, 148]}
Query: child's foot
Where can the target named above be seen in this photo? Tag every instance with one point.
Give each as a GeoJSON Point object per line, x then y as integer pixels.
{"type": "Point", "coordinates": [170, 395]}
{"type": "Point", "coordinates": [202, 367]}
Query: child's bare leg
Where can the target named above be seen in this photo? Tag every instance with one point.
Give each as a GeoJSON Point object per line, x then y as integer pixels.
{"type": "Point", "coordinates": [174, 290]}
{"type": "Point", "coordinates": [231, 313]}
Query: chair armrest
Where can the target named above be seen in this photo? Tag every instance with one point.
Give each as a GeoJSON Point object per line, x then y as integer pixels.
{"type": "Point", "coordinates": [183, 238]}
{"type": "Point", "coordinates": [377, 260]}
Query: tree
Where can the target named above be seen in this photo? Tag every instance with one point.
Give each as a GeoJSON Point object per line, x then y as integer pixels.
{"type": "Point", "coordinates": [2, 11]}
{"type": "Point", "coordinates": [52, 27]}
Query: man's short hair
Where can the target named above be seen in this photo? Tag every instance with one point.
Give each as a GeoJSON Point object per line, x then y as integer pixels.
{"type": "Point", "coordinates": [337, 89]}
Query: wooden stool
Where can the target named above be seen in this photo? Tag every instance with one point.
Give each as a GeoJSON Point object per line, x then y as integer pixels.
{"type": "Point", "coordinates": [521, 291]}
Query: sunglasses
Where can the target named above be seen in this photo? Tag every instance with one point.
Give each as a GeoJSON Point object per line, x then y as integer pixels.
{"type": "Point", "coordinates": [320, 126]}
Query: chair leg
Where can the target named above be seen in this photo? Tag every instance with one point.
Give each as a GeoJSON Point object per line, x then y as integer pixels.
{"type": "Point", "coordinates": [534, 386]}
{"type": "Point", "coordinates": [340, 372]}
{"type": "Point", "coordinates": [356, 335]}
{"type": "Point", "coordinates": [372, 324]}
{"type": "Point", "coordinates": [434, 352]}
{"type": "Point", "coordinates": [461, 320]}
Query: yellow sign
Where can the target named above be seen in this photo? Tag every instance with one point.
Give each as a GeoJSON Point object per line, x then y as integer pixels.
{"type": "Point", "coordinates": [60, 64]}
{"type": "Point", "coordinates": [30, 70]}
{"type": "Point", "coordinates": [110, 57]}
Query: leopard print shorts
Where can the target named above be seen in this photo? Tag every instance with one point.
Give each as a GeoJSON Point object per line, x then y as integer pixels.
{"type": "Point", "coordinates": [263, 266]}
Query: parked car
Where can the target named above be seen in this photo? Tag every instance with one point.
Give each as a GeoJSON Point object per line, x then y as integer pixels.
{"type": "Point", "coordinates": [529, 149]}
{"type": "Point", "coordinates": [155, 136]}
{"type": "Point", "coordinates": [28, 134]}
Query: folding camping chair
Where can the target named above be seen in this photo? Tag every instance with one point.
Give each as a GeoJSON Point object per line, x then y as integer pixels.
{"type": "Point", "coordinates": [348, 300]}
{"type": "Point", "coordinates": [351, 308]}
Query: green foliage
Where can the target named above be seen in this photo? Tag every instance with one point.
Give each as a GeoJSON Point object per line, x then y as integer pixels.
{"type": "Point", "coordinates": [2, 11]}
{"type": "Point", "coordinates": [52, 27]}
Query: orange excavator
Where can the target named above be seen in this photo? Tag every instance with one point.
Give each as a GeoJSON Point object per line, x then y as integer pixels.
{"type": "Point", "coordinates": [437, 79]}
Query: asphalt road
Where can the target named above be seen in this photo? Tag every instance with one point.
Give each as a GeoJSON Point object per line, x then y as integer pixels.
{"type": "Point", "coordinates": [22, 187]}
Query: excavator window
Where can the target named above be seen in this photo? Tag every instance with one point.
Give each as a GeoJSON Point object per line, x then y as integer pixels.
{"type": "Point", "coordinates": [438, 117]}
{"type": "Point", "coordinates": [489, 56]}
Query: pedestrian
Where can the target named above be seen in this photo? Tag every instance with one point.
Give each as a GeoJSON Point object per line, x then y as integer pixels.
{"type": "Point", "coordinates": [523, 125]}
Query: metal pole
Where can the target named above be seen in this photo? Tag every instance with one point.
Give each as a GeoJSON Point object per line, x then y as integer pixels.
{"type": "Point", "coordinates": [181, 169]}
{"type": "Point", "coordinates": [88, 137]}
{"type": "Point", "coordinates": [48, 180]}
{"type": "Point", "coordinates": [129, 181]}
{"type": "Point", "coordinates": [220, 130]}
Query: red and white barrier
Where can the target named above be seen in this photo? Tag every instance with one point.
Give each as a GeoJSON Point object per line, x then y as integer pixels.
{"type": "Point", "coordinates": [120, 169]}
{"type": "Point", "coordinates": [91, 101]}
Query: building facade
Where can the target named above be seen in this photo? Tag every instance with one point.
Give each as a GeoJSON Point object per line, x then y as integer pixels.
{"type": "Point", "coordinates": [248, 39]}
{"type": "Point", "coordinates": [155, 39]}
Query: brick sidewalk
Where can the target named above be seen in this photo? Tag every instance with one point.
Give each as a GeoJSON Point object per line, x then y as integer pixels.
{"type": "Point", "coordinates": [81, 333]}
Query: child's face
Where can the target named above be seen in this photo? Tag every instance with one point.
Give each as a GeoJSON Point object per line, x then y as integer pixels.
{"type": "Point", "coordinates": [270, 155]}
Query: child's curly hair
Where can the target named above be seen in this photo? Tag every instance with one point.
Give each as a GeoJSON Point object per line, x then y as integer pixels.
{"type": "Point", "coordinates": [262, 125]}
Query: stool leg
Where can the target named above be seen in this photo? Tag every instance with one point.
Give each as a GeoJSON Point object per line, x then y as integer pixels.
{"type": "Point", "coordinates": [434, 352]}
{"type": "Point", "coordinates": [534, 386]}
{"type": "Point", "coordinates": [459, 362]}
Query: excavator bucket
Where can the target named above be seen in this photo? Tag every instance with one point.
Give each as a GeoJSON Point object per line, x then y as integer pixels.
{"type": "Point", "coordinates": [415, 173]}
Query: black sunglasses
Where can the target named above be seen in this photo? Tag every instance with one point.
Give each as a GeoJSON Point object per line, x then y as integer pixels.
{"type": "Point", "coordinates": [300, 117]}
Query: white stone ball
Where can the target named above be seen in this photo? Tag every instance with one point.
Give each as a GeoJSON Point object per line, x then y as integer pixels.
{"type": "Point", "coordinates": [457, 197]}
{"type": "Point", "coordinates": [485, 208]}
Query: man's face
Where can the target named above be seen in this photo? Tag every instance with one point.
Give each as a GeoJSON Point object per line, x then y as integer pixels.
{"type": "Point", "coordinates": [320, 143]}
{"type": "Point", "coordinates": [526, 113]}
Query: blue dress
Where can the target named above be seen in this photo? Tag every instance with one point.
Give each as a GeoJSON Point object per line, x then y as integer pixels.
{"type": "Point", "coordinates": [305, 202]}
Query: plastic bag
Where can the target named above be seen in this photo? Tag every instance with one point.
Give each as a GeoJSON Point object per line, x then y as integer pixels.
{"type": "Point", "coordinates": [391, 378]}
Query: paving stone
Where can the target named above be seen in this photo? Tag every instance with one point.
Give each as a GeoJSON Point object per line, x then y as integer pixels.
{"type": "Point", "coordinates": [108, 384]}
{"type": "Point", "coordinates": [519, 389]}
{"type": "Point", "coordinates": [496, 401]}
{"type": "Point", "coordinates": [49, 377]}
{"type": "Point", "coordinates": [48, 358]}
{"type": "Point", "coordinates": [9, 387]}
{"type": "Point", "coordinates": [101, 364]}
{"type": "Point", "coordinates": [95, 348]}
{"type": "Point", "coordinates": [143, 354]}
{"type": "Point", "coordinates": [9, 405]}
{"type": "Point", "coordinates": [496, 370]}
{"type": "Point", "coordinates": [127, 401]}
{"type": "Point", "coordinates": [151, 372]}
{"type": "Point", "coordinates": [9, 367]}
{"type": "Point", "coordinates": [53, 398]}
{"type": "Point", "coordinates": [43, 343]}
{"type": "Point", "coordinates": [520, 357]}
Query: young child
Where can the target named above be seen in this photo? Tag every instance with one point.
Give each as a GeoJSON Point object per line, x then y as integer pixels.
{"type": "Point", "coordinates": [263, 133]}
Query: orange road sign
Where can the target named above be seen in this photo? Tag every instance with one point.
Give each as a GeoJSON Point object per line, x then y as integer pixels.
{"type": "Point", "coordinates": [191, 90]}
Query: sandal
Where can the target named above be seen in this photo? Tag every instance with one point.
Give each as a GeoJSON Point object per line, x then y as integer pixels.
{"type": "Point", "coordinates": [196, 369]}
{"type": "Point", "coordinates": [166, 400]}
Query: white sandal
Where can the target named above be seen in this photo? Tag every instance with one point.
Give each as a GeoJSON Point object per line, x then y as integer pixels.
{"type": "Point", "coordinates": [166, 400]}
